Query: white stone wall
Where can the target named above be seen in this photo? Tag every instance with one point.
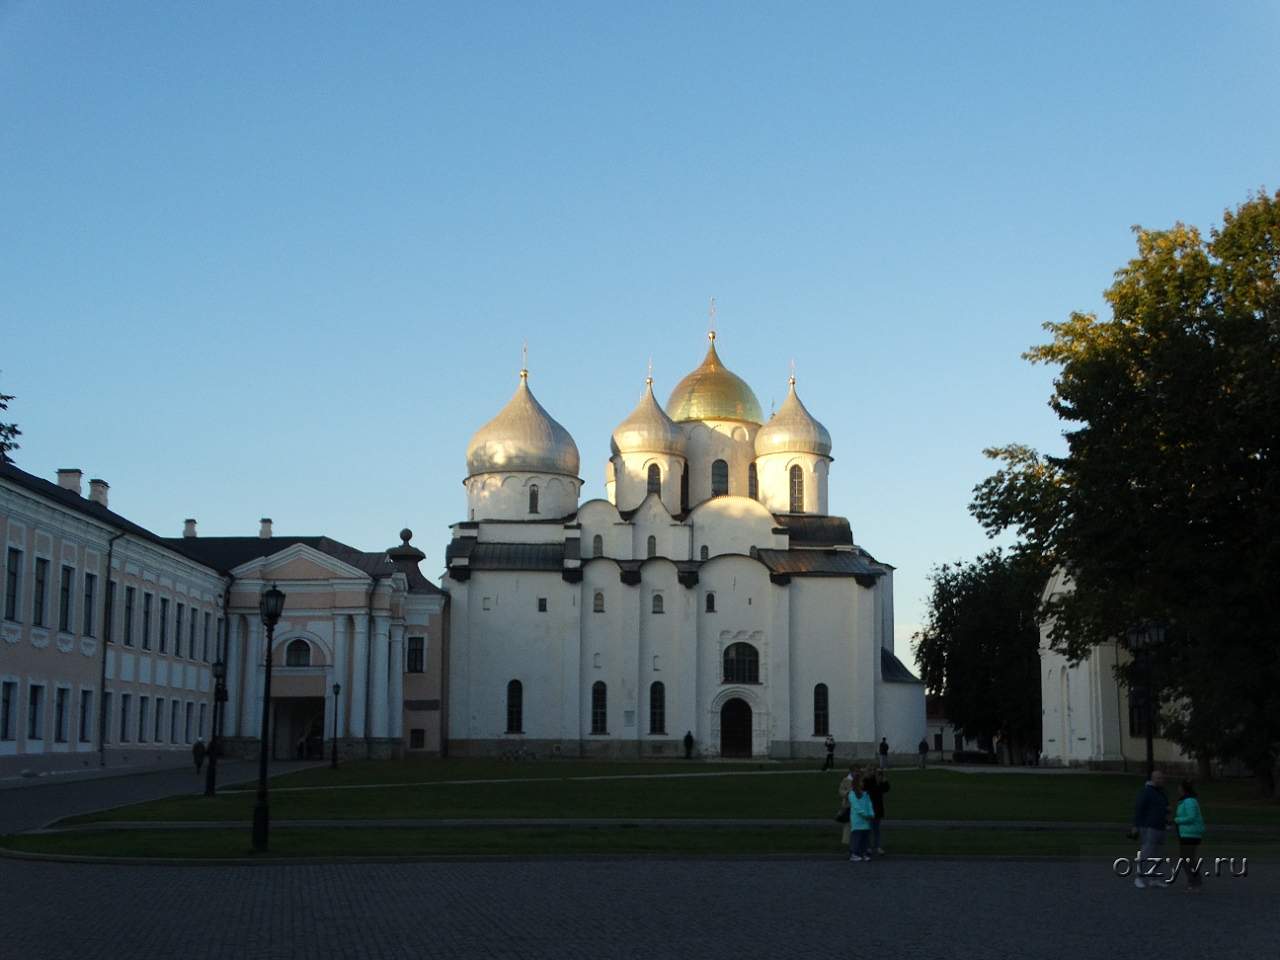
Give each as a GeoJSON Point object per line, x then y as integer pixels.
{"type": "Point", "coordinates": [774, 472]}
{"type": "Point", "coordinates": [709, 440]}
{"type": "Point", "coordinates": [505, 496]}
{"type": "Point", "coordinates": [632, 479]}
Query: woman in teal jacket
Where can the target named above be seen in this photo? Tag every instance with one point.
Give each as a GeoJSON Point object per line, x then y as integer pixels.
{"type": "Point", "coordinates": [1190, 825]}
{"type": "Point", "coordinates": [861, 813]}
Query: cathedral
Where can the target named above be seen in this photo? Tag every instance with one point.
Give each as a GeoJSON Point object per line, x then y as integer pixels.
{"type": "Point", "coordinates": [711, 594]}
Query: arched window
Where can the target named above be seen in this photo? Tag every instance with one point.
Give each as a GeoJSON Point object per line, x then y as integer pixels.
{"type": "Point", "coordinates": [657, 707]}
{"type": "Point", "coordinates": [515, 707]}
{"type": "Point", "coordinates": [655, 479]}
{"type": "Point", "coordinates": [797, 489]}
{"type": "Point", "coordinates": [719, 479]}
{"type": "Point", "coordinates": [597, 603]}
{"type": "Point", "coordinates": [741, 663]}
{"type": "Point", "coordinates": [533, 498]}
{"type": "Point", "coordinates": [753, 482]}
{"type": "Point", "coordinates": [297, 654]}
{"type": "Point", "coordinates": [599, 707]}
{"type": "Point", "coordinates": [651, 546]}
{"type": "Point", "coordinates": [597, 546]}
{"type": "Point", "coordinates": [821, 722]}
{"type": "Point", "coordinates": [657, 603]}
{"type": "Point", "coordinates": [711, 603]}
{"type": "Point", "coordinates": [704, 552]}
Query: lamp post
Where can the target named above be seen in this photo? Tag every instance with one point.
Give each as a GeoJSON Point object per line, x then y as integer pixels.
{"type": "Point", "coordinates": [271, 605]}
{"type": "Point", "coordinates": [1142, 641]}
{"type": "Point", "coordinates": [337, 689]}
{"type": "Point", "coordinates": [215, 742]}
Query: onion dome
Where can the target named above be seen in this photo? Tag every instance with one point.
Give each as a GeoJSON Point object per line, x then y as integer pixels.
{"type": "Point", "coordinates": [711, 392]}
{"type": "Point", "coordinates": [523, 437]}
{"type": "Point", "coordinates": [648, 429]}
{"type": "Point", "coordinates": [793, 429]}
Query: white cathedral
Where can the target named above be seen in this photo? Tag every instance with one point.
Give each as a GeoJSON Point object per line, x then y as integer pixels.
{"type": "Point", "coordinates": [711, 593]}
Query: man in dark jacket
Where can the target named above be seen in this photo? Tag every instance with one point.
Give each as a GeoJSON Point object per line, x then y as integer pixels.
{"type": "Point", "coordinates": [876, 785]}
{"type": "Point", "coordinates": [688, 744]}
{"type": "Point", "coordinates": [884, 753]}
{"type": "Point", "coordinates": [198, 751]}
{"type": "Point", "coordinates": [1150, 816]}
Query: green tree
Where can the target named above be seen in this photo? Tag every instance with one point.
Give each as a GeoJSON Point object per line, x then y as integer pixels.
{"type": "Point", "coordinates": [9, 432]}
{"type": "Point", "coordinates": [1166, 505]}
{"type": "Point", "coordinates": [980, 648]}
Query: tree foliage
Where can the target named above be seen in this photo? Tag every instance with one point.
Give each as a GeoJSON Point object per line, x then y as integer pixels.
{"type": "Point", "coordinates": [1167, 503]}
{"type": "Point", "coordinates": [9, 432]}
{"type": "Point", "coordinates": [980, 646]}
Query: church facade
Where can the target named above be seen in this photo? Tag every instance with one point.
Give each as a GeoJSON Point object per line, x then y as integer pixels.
{"type": "Point", "coordinates": [711, 593]}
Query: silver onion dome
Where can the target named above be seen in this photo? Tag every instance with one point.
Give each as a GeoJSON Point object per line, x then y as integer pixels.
{"type": "Point", "coordinates": [648, 429]}
{"type": "Point", "coordinates": [522, 437]}
{"type": "Point", "coordinates": [793, 429]}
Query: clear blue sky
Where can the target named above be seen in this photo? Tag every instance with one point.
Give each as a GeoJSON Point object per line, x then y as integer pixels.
{"type": "Point", "coordinates": [278, 259]}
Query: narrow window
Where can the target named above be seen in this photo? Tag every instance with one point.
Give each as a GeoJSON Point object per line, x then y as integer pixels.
{"type": "Point", "coordinates": [515, 707]}
{"type": "Point", "coordinates": [297, 654]}
{"type": "Point", "coordinates": [187, 728]}
{"type": "Point", "coordinates": [109, 611]}
{"type": "Point", "coordinates": [797, 489]}
{"type": "Point", "coordinates": [12, 578]}
{"type": "Point", "coordinates": [8, 694]}
{"type": "Point", "coordinates": [417, 739]}
{"type": "Point", "coordinates": [204, 648]}
{"type": "Point", "coordinates": [125, 700]}
{"type": "Point", "coordinates": [86, 615]}
{"type": "Point", "coordinates": [86, 716]}
{"type": "Point", "coordinates": [719, 479]}
{"type": "Point", "coordinates": [753, 482]}
{"type": "Point", "coordinates": [191, 635]}
{"type": "Point", "coordinates": [711, 603]}
{"type": "Point", "coordinates": [146, 621]}
{"type": "Point", "coordinates": [657, 603]}
{"type": "Point", "coordinates": [533, 498]}
{"type": "Point", "coordinates": [597, 603]}
{"type": "Point", "coordinates": [129, 596]}
{"type": "Point", "coordinates": [64, 599]}
{"type": "Point", "coordinates": [159, 727]}
{"type": "Point", "coordinates": [657, 707]}
{"type": "Point", "coordinates": [106, 716]}
{"type": "Point", "coordinates": [655, 479]}
{"type": "Point", "coordinates": [417, 660]}
{"type": "Point", "coordinates": [684, 489]}
{"type": "Point", "coordinates": [821, 723]}
{"type": "Point", "coordinates": [203, 711]}
{"type": "Point", "coordinates": [651, 546]}
{"type": "Point", "coordinates": [597, 546]}
{"type": "Point", "coordinates": [35, 712]}
{"type": "Point", "coordinates": [60, 714]}
{"type": "Point", "coordinates": [741, 663]}
{"type": "Point", "coordinates": [177, 630]}
{"type": "Point", "coordinates": [42, 590]}
{"type": "Point", "coordinates": [174, 708]}
{"type": "Point", "coordinates": [542, 604]}
{"type": "Point", "coordinates": [599, 707]}
{"type": "Point", "coordinates": [144, 716]}
{"type": "Point", "coordinates": [162, 644]}
{"type": "Point", "coordinates": [704, 552]}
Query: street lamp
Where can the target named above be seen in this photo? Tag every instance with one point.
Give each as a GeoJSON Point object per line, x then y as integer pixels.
{"type": "Point", "coordinates": [270, 605]}
{"type": "Point", "coordinates": [1142, 640]}
{"type": "Point", "coordinates": [215, 742]}
{"type": "Point", "coordinates": [337, 689]}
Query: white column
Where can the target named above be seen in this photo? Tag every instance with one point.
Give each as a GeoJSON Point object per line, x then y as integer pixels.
{"type": "Point", "coordinates": [359, 674]}
{"type": "Point", "coordinates": [396, 695]}
{"type": "Point", "coordinates": [378, 676]}
{"type": "Point", "coordinates": [340, 672]}
{"type": "Point", "coordinates": [231, 709]}
{"type": "Point", "coordinates": [251, 709]}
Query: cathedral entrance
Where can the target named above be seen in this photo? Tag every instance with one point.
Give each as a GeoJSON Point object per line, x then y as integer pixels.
{"type": "Point", "coordinates": [297, 729]}
{"type": "Point", "coordinates": [735, 729]}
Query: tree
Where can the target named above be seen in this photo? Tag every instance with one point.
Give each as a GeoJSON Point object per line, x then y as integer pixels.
{"type": "Point", "coordinates": [8, 431]}
{"type": "Point", "coordinates": [980, 648]}
{"type": "Point", "coordinates": [1166, 505]}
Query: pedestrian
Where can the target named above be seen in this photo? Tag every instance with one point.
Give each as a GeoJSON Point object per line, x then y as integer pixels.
{"type": "Point", "coordinates": [884, 753]}
{"type": "Point", "coordinates": [830, 744]}
{"type": "Point", "coordinates": [197, 753]}
{"type": "Point", "coordinates": [861, 816]}
{"type": "Point", "coordinates": [846, 784]}
{"type": "Point", "coordinates": [1190, 826]}
{"type": "Point", "coordinates": [877, 785]}
{"type": "Point", "coordinates": [1150, 815]}
{"type": "Point", "coordinates": [688, 744]}
{"type": "Point", "coordinates": [922, 748]}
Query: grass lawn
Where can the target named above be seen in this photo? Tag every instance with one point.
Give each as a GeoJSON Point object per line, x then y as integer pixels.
{"type": "Point", "coordinates": [792, 791]}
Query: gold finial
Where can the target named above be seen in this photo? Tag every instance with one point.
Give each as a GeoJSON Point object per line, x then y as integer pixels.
{"type": "Point", "coordinates": [649, 378]}
{"type": "Point", "coordinates": [711, 313]}
{"type": "Point", "coordinates": [792, 379]}
{"type": "Point", "coordinates": [524, 360]}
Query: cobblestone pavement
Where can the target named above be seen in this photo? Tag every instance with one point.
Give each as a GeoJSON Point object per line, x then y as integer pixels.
{"type": "Point", "coordinates": [623, 909]}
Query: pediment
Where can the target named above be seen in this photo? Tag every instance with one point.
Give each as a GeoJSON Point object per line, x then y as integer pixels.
{"type": "Point", "coordinates": [299, 562]}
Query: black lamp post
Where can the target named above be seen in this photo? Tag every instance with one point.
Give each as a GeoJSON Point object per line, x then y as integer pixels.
{"type": "Point", "coordinates": [1142, 642]}
{"type": "Point", "coordinates": [337, 689]}
{"type": "Point", "coordinates": [271, 605]}
{"type": "Point", "coordinates": [215, 742]}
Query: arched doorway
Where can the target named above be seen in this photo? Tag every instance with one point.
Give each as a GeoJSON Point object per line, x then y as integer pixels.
{"type": "Point", "coordinates": [735, 728]}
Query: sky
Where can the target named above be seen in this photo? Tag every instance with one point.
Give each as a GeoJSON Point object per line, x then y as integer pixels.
{"type": "Point", "coordinates": [280, 259]}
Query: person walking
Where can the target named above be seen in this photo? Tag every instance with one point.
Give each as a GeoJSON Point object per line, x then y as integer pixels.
{"type": "Point", "coordinates": [884, 754]}
{"type": "Point", "coordinates": [1150, 815]}
{"type": "Point", "coordinates": [846, 784]}
{"type": "Point", "coordinates": [923, 749]}
{"type": "Point", "coordinates": [1190, 826]}
{"type": "Point", "coordinates": [877, 785]}
{"type": "Point", "coordinates": [830, 744]}
{"type": "Point", "coordinates": [198, 751]}
{"type": "Point", "coordinates": [861, 815]}
{"type": "Point", "coordinates": [688, 744]}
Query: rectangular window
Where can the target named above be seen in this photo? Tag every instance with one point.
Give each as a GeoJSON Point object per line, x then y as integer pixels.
{"type": "Point", "coordinates": [201, 724]}
{"type": "Point", "coordinates": [159, 736]}
{"type": "Point", "coordinates": [164, 625]}
{"type": "Point", "coordinates": [599, 708]}
{"type": "Point", "coordinates": [146, 621]}
{"type": "Point", "coordinates": [60, 696]}
{"type": "Point", "coordinates": [191, 639]}
{"type": "Point", "coordinates": [177, 631]}
{"type": "Point", "coordinates": [86, 615]}
{"type": "Point", "coordinates": [128, 616]}
{"type": "Point", "coordinates": [64, 599]}
{"type": "Point", "coordinates": [124, 717]}
{"type": "Point", "coordinates": [8, 699]}
{"type": "Point", "coordinates": [35, 712]}
{"type": "Point", "coordinates": [42, 592]}
{"type": "Point", "coordinates": [417, 739]}
{"type": "Point", "coordinates": [106, 717]}
{"type": "Point", "coordinates": [174, 707]}
{"type": "Point", "coordinates": [484, 604]}
{"type": "Point", "coordinates": [186, 734]}
{"type": "Point", "coordinates": [109, 611]}
{"type": "Point", "coordinates": [12, 581]}
{"type": "Point", "coordinates": [204, 649]}
{"type": "Point", "coordinates": [144, 718]}
{"type": "Point", "coordinates": [542, 604]}
{"type": "Point", "coordinates": [86, 716]}
{"type": "Point", "coordinates": [416, 662]}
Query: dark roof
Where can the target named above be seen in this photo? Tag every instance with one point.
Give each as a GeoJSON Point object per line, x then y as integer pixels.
{"type": "Point", "coordinates": [894, 670]}
{"type": "Point", "coordinates": [506, 556]}
{"type": "Point", "coordinates": [808, 530]}
{"type": "Point", "coordinates": [818, 563]}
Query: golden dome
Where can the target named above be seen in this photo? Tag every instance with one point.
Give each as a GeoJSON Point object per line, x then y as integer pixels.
{"type": "Point", "coordinates": [522, 438]}
{"type": "Point", "coordinates": [793, 429]}
{"type": "Point", "coordinates": [712, 392]}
